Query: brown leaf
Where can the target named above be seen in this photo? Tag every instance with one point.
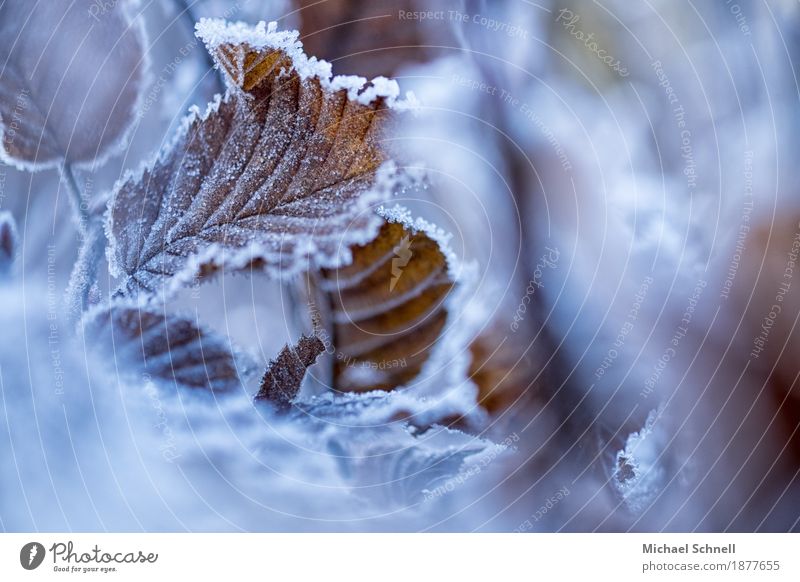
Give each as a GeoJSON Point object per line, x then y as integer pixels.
{"type": "Point", "coordinates": [284, 375]}
{"type": "Point", "coordinates": [170, 349]}
{"type": "Point", "coordinates": [71, 79]}
{"type": "Point", "coordinates": [507, 375]}
{"type": "Point", "coordinates": [280, 171]}
{"type": "Point", "coordinates": [388, 308]}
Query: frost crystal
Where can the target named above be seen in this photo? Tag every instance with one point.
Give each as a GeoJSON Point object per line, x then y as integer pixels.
{"type": "Point", "coordinates": [637, 473]}
{"type": "Point", "coordinates": [284, 168]}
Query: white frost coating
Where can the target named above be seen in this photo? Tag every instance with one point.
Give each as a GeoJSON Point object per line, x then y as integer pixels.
{"type": "Point", "coordinates": [98, 331]}
{"type": "Point", "coordinates": [296, 257]}
{"type": "Point", "coordinates": [134, 176]}
{"type": "Point", "coordinates": [637, 473]}
{"type": "Point", "coordinates": [215, 32]}
{"type": "Point", "coordinates": [402, 215]}
{"type": "Point", "coordinates": [444, 379]}
{"type": "Point", "coordinates": [203, 462]}
{"type": "Point", "coordinates": [306, 255]}
{"type": "Point", "coordinates": [448, 364]}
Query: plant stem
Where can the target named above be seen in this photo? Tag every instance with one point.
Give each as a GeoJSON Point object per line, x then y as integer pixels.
{"type": "Point", "coordinates": [81, 210]}
{"type": "Point", "coordinates": [92, 244]}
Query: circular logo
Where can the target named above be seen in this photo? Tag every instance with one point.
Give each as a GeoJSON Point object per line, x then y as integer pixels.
{"type": "Point", "coordinates": [31, 555]}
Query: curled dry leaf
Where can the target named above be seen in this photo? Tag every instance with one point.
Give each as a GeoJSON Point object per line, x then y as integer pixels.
{"type": "Point", "coordinates": [388, 307]}
{"type": "Point", "coordinates": [284, 375]}
{"type": "Point", "coordinates": [280, 170]}
{"type": "Point", "coordinates": [70, 81]}
{"type": "Point", "coordinates": [172, 350]}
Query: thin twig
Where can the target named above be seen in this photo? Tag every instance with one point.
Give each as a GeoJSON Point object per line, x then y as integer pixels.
{"type": "Point", "coordinates": [92, 245]}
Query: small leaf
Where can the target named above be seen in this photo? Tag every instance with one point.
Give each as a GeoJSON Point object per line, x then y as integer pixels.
{"type": "Point", "coordinates": [509, 373]}
{"type": "Point", "coordinates": [170, 349]}
{"type": "Point", "coordinates": [9, 241]}
{"type": "Point", "coordinates": [284, 375]}
{"type": "Point", "coordinates": [71, 78]}
{"type": "Point", "coordinates": [388, 308]}
{"type": "Point", "coordinates": [281, 170]}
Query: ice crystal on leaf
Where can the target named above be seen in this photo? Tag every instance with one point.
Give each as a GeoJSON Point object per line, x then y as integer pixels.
{"type": "Point", "coordinates": [282, 168]}
{"type": "Point", "coordinates": [282, 380]}
{"type": "Point", "coordinates": [386, 318]}
{"type": "Point", "coordinates": [168, 349]}
{"type": "Point", "coordinates": [638, 472]}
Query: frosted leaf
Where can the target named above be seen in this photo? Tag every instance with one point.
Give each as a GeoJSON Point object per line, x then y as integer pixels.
{"type": "Point", "coordinates": [388, 446]}
{"type": "Point", "coordinates": [169, 349]}
{"type": "Point", "coordinates": [284, 375]}
{"type": "Point", "coordinates": [637, 473]}
{"type": "Point", "coordinates": [281, 168]}
{"type": "Point", "coordinates": [72, 77]}
{"type": "Point", "coordinates": [84, 272]}
{"type": "Point", "coordinates": [381, 408]}
{"type": "Point", "coordinates": [437, 463]}
{"type": "Point", "coordinates": [388, 307]}
{"type": "Point", "coordinates": [9, 241]}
